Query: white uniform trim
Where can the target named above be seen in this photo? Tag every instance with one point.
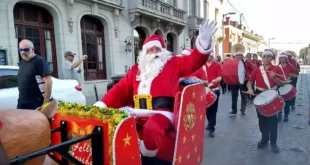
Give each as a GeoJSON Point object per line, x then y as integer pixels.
{"type": "Point", "coordinates": [186, 52]}
{"type": "Point", "coordinates": [152, 44]}
{"type": "Point", "coordinates": [146, 152]}
{"type": "Point", "coordinates": [145, 87]}
{"type": "Point", "coordinates": [283, 72]}
{"type": "Point", "coordinates": [262, 69]}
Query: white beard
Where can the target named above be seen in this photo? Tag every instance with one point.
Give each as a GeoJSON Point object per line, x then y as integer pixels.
{"type": "Point", "coordinates": [150, 65]}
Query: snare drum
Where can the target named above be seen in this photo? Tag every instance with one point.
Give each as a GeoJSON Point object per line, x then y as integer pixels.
{"type": "Point", "coordinates": [233, 72]}
{"type": "Point", "coordinates": [288, 92]}
{"type": "Point", "coordinates": [210, 97]}
{"type": "Point", "coordinates": [269, 103]}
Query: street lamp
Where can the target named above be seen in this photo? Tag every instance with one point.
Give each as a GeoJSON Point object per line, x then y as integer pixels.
{"type": "Point", "coordinates": [269, 41]}
{"type": "Point", "coordinates": [223, 31]}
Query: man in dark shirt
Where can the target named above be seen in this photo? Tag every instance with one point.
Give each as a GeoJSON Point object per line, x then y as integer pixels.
{"type": "Point", "coordinates": [34, 78]}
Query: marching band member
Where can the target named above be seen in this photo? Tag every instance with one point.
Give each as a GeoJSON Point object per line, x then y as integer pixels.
{"type": "Point", "coordinates": [214, 75]}
{"type": "Point", "coordinates": [198, 74]}
{"type": "Point", "coordinates": [235, 92]}
{"type": "Point", "coordinates": [294, 80]}
{"type": "Point", "coordinates": [157, 74]}
{"type": "Point", "coordinates": [289, 72]}
{"type": "Point", "coordinates": [249, 67]}
{"type": "Point", "coordinates": [266, 77]}
{"type": "Point", "coordinates": [255, 60]}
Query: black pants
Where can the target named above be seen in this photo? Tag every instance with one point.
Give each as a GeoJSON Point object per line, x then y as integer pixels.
{"type": "Point", "coordinates": [235, 89]}
{"type": "Point", "coordinates": [30, 106]}
{"type": "Point", "coordinates": [153, 161]}
{"type": "Point", "coordinates": [294, 83]}
{"type": "Point", "coordinates": [287, 107]}
{"type": "Point", "coordinates": [268, 126]}
{"type": "Point", "coordinates": [223, 86]}
{"type": "Point", "coordinates": [212, 111]}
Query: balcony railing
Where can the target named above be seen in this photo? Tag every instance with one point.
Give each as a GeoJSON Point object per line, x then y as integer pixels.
{"type": "Point", "coordinates": [162, 9]}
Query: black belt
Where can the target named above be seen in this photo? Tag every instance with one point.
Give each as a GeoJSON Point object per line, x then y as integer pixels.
{"type": "Point", "coordinates": [158, 102]}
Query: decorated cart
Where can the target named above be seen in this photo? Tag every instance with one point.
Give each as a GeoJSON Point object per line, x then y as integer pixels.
{"type": "Point", "coordinates": [93, 136]}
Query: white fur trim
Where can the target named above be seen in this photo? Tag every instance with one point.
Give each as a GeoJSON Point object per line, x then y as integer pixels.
{"type": "Point", "coordinates": [267, 52]}
{"type": "Point", "coordinates": [145, 86]}
{"type": "Point", "coordinates": [186, 52]}
{"type": "Point", "coordinates": [152, 44]}
{"type": "Point", "coordinates": [179, 55]}
{"type": "Point", "coordinates": [205, 48]}
{"type": "Point", "coordinates": [100, 104]}
{"type": "Point", "coordinates": [238, 53]}
{"type": "Point", "coordinates": [144, 113]}
{"type": "Point", "coordinates": [146, 152]}
{"type": "Point", "coordinates": [283, 55]}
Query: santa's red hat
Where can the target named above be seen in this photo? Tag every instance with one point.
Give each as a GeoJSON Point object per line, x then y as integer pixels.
{"type": "Point", "coordinates": [154, 40]}
{"type": "Point", "coordinates": [187, 51]}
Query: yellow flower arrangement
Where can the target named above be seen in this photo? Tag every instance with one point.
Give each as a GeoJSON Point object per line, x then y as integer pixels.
{"type": "Point", "coordinates": [106, 115]}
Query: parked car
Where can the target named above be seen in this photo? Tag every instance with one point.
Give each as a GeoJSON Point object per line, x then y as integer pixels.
{"type": "Point", "coordinates": [114, 80]}
{"type": "Point", "coordinates": [63, 90]}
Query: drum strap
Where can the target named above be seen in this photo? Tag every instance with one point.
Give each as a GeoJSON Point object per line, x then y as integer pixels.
{"type": "Point", "coordinates": [3, 158]}
{"type": "Point", "coordinates": [265, 77]}
{"type": "Point", "coordinates": [282, 71]}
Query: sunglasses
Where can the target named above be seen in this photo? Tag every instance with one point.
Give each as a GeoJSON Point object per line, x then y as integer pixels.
{"type": "Point", "coordinates": [24, 49]}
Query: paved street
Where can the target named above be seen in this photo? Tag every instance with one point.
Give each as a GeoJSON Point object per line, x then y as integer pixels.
{"type": "Point", "coordinates": [237, 136]}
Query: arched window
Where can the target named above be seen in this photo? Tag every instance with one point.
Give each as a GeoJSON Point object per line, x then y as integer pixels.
{"type": "Point", "coordinates": [94, 47]}
{"type": "Point", "coordinates": [36, 24]}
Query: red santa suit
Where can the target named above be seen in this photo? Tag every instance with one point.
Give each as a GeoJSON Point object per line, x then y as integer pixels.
{"type": "Point", "coordinates": [162, 88]}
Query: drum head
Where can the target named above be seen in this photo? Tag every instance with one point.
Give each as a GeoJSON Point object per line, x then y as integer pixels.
{"type": "Point", "coordinates": [265, 97]}
{"type": "Point", "coordinates": [285, 89]}
{"type": "Point", "coordinates": [241, 72]}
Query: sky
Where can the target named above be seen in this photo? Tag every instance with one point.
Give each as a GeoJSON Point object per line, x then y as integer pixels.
{"type": "Point", "coordinates": [284, 20]}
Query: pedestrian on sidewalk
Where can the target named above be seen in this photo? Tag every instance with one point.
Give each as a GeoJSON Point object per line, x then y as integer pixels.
{"type": "Point", "coordinates": [34, 78]}
{"type": "Point", "coordinates": [69, 69]}
{"type": "Point", "coordinates": [266, 77]}
{"type": "Point", "coordinates": [289, 72]}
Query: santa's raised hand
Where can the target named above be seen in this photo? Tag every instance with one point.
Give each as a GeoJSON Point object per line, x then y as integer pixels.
{"type": "Point", "coordinates": [205, 42]}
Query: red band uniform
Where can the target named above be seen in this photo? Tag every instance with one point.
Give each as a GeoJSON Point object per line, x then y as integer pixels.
{"type": "Point", "coordinates": [288, 70]}
{"type": "Point", "coordinates": [296, 66]}
{"type": "Point", "coordinates": [214, 71]}
{"type": "Point", "coordinates": [200, 73]}
{"type": "Point", "coordinates": [267, 125]}
{"type": "Point", "coordinates": [162, 87]}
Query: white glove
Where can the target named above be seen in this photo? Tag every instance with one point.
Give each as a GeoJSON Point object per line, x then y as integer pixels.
{"type": "Point", "coordinates": [100, 104]}
{"type": "Point", "coordinates": [205, 42]}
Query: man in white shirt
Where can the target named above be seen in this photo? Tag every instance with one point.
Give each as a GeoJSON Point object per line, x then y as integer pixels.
{"type": "Point", "coordinates": [69, 69]}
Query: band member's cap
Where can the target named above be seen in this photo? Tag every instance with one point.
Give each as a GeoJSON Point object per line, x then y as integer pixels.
{"type": "Point", "coordinates": [268, 52]}
{"type": "Point", "coordinates": [283, 55]}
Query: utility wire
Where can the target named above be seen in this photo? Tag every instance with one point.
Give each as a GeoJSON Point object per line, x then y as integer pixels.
{"type": "Point", "coordinates": [239, 13]}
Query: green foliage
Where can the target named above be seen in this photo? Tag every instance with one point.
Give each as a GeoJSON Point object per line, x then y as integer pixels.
{"type": "Point", "coordinates": [303, 53]}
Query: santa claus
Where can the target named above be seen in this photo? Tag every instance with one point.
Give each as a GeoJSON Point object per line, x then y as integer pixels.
{"type": "Point", "coordinates": [152, 85]}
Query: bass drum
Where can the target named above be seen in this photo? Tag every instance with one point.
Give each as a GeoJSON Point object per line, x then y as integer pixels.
{"type": "Point", "coordinates": [233, 72]}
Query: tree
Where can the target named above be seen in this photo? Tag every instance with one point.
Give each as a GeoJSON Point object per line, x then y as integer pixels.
{"type": "Point", "coordinates": [303, 53]}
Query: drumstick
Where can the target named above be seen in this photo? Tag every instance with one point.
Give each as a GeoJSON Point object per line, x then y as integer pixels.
{"type": "Point", "coordinates": [247, 93]}
{"type": "Point", "coordinates": [277, 74]}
